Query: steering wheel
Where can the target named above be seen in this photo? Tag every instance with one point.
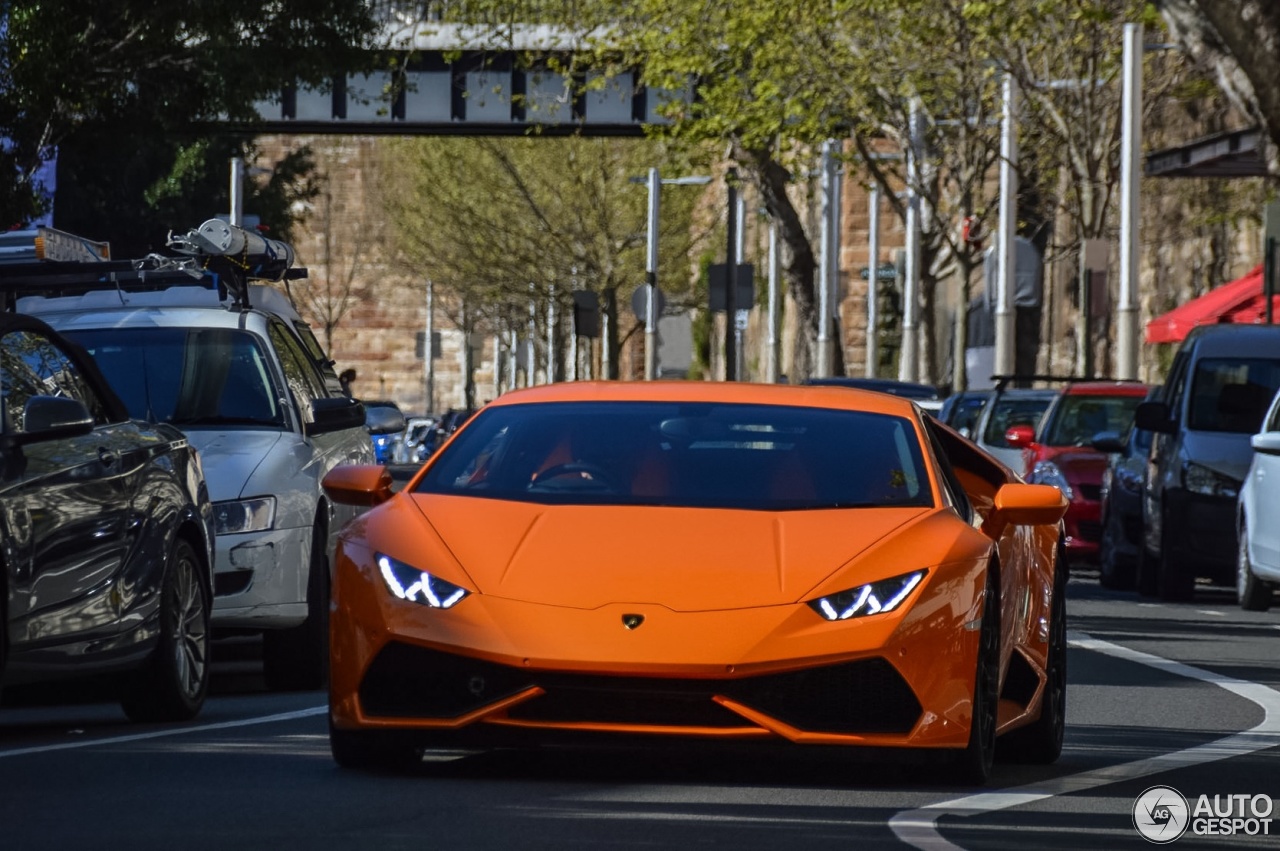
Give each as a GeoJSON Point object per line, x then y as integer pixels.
{"type": "Point", "coordinates": [584, 475]}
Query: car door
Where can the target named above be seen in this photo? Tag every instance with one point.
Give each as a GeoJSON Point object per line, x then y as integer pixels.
{"type": "Point", "coordinates": [1264, 531]}
{"type": "Point", "coordinates": [65, 501]}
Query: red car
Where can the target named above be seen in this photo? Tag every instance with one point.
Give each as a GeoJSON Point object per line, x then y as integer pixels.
{"type": "Point", "coordinates": [1060, 452]}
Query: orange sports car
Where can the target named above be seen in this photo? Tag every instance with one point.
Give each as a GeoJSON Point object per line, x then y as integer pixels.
{"type": "Point", "coordinates": [815, 565]}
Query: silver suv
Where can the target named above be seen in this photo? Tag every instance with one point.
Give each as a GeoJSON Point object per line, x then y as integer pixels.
{"type": "Point", "coordinates": [237, 377]}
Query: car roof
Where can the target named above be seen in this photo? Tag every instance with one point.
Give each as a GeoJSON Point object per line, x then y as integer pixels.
{"type": "Point", "coordinates": [733, 392]}
{"type": "Point", "coordinates": [884, 385]}
{"type": "Point", "coordinates": [1106, 388]}
{"type": "Point", "coordinates": [1234, 339]}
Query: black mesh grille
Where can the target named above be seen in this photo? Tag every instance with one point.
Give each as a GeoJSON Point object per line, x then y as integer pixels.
{"type": "Point", "coordinates": [868, 696]}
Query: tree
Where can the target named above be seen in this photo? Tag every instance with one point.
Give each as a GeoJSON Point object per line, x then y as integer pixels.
{"type": "Point", "coordinates": [497, 222]}
{"type": "Point", "coordinates": [1237, 40]}
{"type": "Point", "coordinates": [147, 77]}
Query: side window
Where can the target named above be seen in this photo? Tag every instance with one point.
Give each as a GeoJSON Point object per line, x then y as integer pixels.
{"type": "Point", "coordinates": [1176, 385]}
{"type": "Point", "coordinates": [954, 491]}
{"type": "Point", "coordinates": [32, 364]}
{"type": "Point", "coordinates": [1273, 418]}
{"type": "Point", "coordinates": [304, 382]}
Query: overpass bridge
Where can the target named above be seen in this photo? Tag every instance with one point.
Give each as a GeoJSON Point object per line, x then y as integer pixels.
{"type": "Point", "coordinates": [466, 80]}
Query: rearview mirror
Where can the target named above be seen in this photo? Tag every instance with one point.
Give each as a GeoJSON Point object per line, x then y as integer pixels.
{"type": "Point", "coordinates": [362, 485]}
{"type": "Point", "coordinates": [1154, 416]}
{"type": "Point", "coordinates": [1020, 436]}
{"type": "Point", "coordinates": [335, 414]}
{"type": "Point", "coordinates": [1108, 441]}
{"type": "Point", "coordinates": [50, 418]}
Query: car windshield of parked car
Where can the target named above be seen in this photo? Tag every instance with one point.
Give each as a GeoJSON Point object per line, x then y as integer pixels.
{"type": "Point", "coordinates": [1009, 411]}
{"type": "Point", "coordinates": [187, 376]}
{"type": "Point", "coordinates": [1232, 394]}
{"type": "Point", "coordinates": [1078, 418]}
{"type": "Point", "coordinates": [707, 455]}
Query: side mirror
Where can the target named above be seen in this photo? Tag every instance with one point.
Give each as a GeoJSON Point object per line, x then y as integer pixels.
{"type": "Point", "coordinates": [1020, 436]}
{"type": "Point", "coordinates": [1268, 442]}
{"type": "Point", "coordinates": [50, 418]}
{"type": "Point", "coordinates": [358, 484]}
{"type": "Point", "coordinates": [1154, 416]}
{"type": "Point", "coordinates": [1024, 505]}
{"type": "Point", "coordinates": [335, 413]}
{"type": "Point", "coordinates": [382, 420]}
{"type": "Point", "coordinates": [1108, 441]}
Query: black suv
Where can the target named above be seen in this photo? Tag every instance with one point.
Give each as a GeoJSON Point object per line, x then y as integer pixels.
{"type": "Point", "coordinates": [106, 533]}
{"type": "Point", "coordinates": [1219, 387]}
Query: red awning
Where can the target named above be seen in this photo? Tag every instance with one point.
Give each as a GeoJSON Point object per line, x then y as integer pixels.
{"type": "Point", "coordinates": [1240, 301]}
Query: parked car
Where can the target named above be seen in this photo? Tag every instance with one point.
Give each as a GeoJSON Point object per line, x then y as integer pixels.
{"type": "Point", "coordinates": [1258, 557]}
{"type": "Point", "coordinates": [412, 445]}
{"type": "Point", "coordinates": [381, 415]}
{"type": "Point", "coordinates": [448, 423]}
{"type": "Point", "coordinates": [795, 546]}
{"type": "Point", "coordinates": [1220, 383]}
{"type": "Point", "coordinates": [962, 410]}
{"type": "Point", "coordinates": [1060, 452]}
{"type": "Point", "coordinates": [107, 534]}
{"type": "Point", "coordinates": [924, 395]}
{"type": "Point", "coordinates": [1123, 483]}
{"type": "Point", "coordinates": [199, 354]}
{"type": "Point", "coordinates": [1010, 407]}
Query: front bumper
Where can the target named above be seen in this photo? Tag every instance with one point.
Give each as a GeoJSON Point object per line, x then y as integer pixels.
{"type": "Point", "coordinates": [775, 673]}
{"type": "Point", "coordinates": [260, 579]}
{"type": "Point", "coordinates": [1083, 525]}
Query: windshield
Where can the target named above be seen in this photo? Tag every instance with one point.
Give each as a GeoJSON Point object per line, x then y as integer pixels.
{"type": "Point", "coordinates": [1232, 394]}
{"type": "Point", "coordinates": [1078, 418]}
{"type": "Point", "coordinates": [685, 454]}
{"type": "Point", "coordinates": [1009, 411]}
{"type": "Point", "coordinates": [187, 376]}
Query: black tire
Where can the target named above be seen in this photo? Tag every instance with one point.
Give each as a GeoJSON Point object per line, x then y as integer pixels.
{"type": "Point", "coordinates": [174, 682]}
{"type": "Point", "coordinates": [372, 750]}
{"type": "Point", "coordinates": [972, 766]}
{"type": "Point", "coordinates": [1112, 572]}
{"type": "Point", "coordinates": [1253, 593]}
{"type": "Point", "coordinates": [1175, 576]}
{"type": "Point", "coordinates": [1145, 572]}
{"type": "Point", "coordinates": [297, 658]}
{"type": "Point", "coordinates": [1040, 742]}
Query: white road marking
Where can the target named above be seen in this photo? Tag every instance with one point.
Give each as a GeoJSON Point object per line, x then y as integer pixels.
{"type": "Point", "coordinates": [173, 731]}
{"type": "Point", "coordinates": [919, 828]}
{"type": "Point", "coordinates": [1212, 612]}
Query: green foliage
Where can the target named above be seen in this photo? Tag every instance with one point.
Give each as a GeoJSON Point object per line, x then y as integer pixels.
{"type": "Point", "coordinates": [151, 78]}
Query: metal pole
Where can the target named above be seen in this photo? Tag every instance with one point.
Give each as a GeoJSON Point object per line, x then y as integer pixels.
{"type": "Point", "coordinates": [771, 366]}
{"type": "Point", "coordinates": [237, 191]}
{"type": "Point", "coordinates": [730, 295]}
{"type": "Point", "coordinates": [551, 335]}
{"type": "Point", "coordinates": [531, 355]}
{"type": "Point", "coordinates": [497, 361]}
{"type": "Point", "coordinates": [1130, 179]}
{"type": "Point", "coordinates": [909, 357]}
{"type": "Point", "coordinates": [428, 354]}
{"type": "Point", "coordinates": [651, 280]}
{"type": "Point", "coordinates": [1005, 318]}
{"type": "Point", "coordinates": [873, 283]}
{"type": "Point", "coordinates": [823, 367]}
{"type": "Point", "coordinates": [740, 315]}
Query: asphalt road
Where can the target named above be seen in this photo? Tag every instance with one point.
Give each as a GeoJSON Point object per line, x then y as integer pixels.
{"type": "Point", "coordinates": [1183, 695]}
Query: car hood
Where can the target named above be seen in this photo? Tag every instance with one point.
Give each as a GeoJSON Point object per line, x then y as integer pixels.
{"type": "Point", "coordinates": [1079, 464]}
{"type": "Point", "coordinates": [231, 457]}
{"type": "Point", "coordinates": [683, 559]}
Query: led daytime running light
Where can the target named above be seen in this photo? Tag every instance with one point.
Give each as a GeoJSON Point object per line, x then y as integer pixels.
{"type": "Point", "coordinates": [418, 586]}
{"type": "Point", "coordinates": [870, 599]}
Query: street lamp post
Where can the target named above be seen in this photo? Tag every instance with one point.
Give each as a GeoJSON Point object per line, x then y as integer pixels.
{"type": "Point", "coordinates": [655, 183]}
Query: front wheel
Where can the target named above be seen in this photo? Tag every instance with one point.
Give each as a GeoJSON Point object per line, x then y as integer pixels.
{"type": "Point", "coordinates": [972, 766]}
{"type": "Point", "coordinates": [175, 680]}
{"type": "Point", "coordinates": [1175, 574]}
{"type": "Point", "coordinates": [1253, 593]}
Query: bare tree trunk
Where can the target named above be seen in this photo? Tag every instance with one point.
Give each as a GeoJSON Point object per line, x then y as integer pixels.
{"type": "Point", "coordinates": [798, 263]}
{"type": "Point", "coordinates": [1240, 41]}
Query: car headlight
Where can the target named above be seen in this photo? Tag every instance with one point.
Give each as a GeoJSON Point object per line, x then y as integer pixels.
{"type": "Point", "coordinates": [1206, 482]}
{"type": "Point", "coordinates": [236, 516]}
{"type": "Point", "coordinates": [870, 599]}
{"type": "Point", "coordinates": [418, 586]}
{"type": "Point", "coordinates": [1048, 473]}
{"type": "Point", "coordinates": [1130, 480]}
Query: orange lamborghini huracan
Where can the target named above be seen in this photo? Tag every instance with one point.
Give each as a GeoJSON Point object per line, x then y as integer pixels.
{"type": "Point", "coordinates": [815, 565]}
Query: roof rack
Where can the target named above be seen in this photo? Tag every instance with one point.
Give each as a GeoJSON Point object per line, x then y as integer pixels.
{"type": "Point", "coordinates": [222, 256]}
